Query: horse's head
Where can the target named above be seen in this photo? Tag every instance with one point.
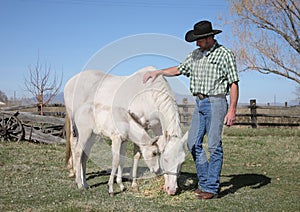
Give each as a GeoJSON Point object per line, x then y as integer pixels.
{"type": "Point", "coordinates": [151, 156]}
{"type": "Point", "coordinates": [172, 157]}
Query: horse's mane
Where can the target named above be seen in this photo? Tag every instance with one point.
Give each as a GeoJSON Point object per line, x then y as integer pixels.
{"type": "Point", "coordinates": [163, 99]}
{"type": "Point", "coordinates": [167, 106]}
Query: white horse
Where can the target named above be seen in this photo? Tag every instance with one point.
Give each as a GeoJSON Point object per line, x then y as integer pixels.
{"type": "Point", "coordinates": [152, 105]}
{"type": "Point", "coordinates": [88, 118]}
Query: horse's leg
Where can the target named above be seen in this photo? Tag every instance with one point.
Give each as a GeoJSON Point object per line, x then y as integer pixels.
{"type": "Point", "coordinates": [115, 147]}
{"type": "Point", "coordinates": [77, 162]}
{"type": "Point", "coordinates": [121, 165]}
{"type": "Point", "coordinates": [84, 159]}
{"type": "Point", "coordinates": [85, 155]}
{"type": "Point", "coordinates": [81, 154]}
{"type": "Point", "coordinates": [80, 161]}
{"type": "Point", "coordinates": [70, 145]}
{"type": "Point", "coordinates": [68, 142]}
{"type": "Point", "coordinates": [71, 163]}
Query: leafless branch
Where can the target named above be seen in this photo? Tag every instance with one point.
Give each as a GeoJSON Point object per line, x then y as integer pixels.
{"type": "Point", "coordinates": [41, 84]}
{"type": "Point", "coordinates": [267, 34]}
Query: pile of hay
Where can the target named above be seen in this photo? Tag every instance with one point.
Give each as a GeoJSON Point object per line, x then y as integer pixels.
{"type": "Point", "coordinates": [153, 188]}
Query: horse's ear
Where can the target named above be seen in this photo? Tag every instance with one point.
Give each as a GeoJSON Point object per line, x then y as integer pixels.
{"type": "Point", "coordinates": [155, 140]}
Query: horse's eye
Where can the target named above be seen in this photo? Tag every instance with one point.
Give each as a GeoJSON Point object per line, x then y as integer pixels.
{"type": "Point", "coordinates": [154, 154]}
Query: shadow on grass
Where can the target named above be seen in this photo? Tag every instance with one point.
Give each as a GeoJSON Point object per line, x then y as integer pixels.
{"type": "Point", "coordinates": [127, 175]}
{"type": "Point", "coordinates": [92, 175]}
{"type": "Point", "coordinates": [189, 181]}
{"type": "Point", "coordinates": [239, 181]}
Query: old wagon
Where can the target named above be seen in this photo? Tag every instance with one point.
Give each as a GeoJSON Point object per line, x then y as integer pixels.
{"type": "Point", "coordinates": [18, 126]}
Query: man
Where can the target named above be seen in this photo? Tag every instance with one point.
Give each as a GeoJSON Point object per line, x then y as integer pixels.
{"type": "Point", "coordinates": [213, 74]}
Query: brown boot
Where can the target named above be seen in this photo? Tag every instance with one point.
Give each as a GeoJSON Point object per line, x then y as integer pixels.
{"type": "Point", "coordinates": [206, 195]}
{"type": "Point", "coordinates": [198, 192]}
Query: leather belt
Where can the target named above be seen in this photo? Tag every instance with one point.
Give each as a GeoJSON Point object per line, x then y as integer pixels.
{"type": "Point", "coordinates": [201, 96]}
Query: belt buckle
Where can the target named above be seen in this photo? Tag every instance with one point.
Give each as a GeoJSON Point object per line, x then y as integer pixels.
{"type": "Point", "coordinates": [201, 96]}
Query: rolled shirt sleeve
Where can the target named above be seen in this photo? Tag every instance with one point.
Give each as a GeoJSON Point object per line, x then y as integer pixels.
{"type": "Point", "coordinates": [232, 74]}
{"type": "Point", "coordinates": [185, 67]}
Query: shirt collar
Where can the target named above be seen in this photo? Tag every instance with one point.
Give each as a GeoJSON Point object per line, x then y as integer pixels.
{"type": "Point", "coordinates": [213, 48]}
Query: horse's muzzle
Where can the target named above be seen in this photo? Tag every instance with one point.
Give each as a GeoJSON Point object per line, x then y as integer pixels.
{"type": "Point", "coordinates": [159, 172]}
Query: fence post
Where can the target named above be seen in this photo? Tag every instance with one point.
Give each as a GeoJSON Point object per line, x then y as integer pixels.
{"type": "Point", "coordinates": [253, 113]}
{"type": "Point", "coordinates": [185, 111]}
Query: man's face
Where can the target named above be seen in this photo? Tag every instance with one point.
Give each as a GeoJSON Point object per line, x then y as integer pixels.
{"type": "Point", "coordinates": [204, 43]}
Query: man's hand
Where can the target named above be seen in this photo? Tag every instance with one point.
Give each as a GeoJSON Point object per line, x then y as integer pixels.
{"type": "Point", "coordinates": [150, 74]}
{"type": "Point", "coordinates": [172, 71]}
{"type": "Point", "coordinates": [229, 119]}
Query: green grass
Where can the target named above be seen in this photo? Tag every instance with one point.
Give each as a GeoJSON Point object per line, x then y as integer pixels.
{"type": "Point", "coordinates": [260, 173]}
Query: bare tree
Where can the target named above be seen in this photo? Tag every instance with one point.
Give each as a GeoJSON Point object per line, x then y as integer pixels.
{"type": "Point", "coordinates": [42, 85]}
{"type": "Point", "coordinates": [3, 97]}
{"type": "Point", "coordinates": [267, 33]}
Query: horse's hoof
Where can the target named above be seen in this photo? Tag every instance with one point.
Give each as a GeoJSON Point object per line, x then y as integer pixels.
{"type": "Point", "coordinates": [83, 186]}
{"type": "Point", "coordinates": [122, 188]}
{"type": "Point", "coordinates": [135, 189]}
{"type": "Point", "coordinates": [71, 175]}
{"type": "Point", "coordinates": [111, 194]}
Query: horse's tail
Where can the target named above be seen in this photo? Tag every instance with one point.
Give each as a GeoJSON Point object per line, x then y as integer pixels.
{"type": "Point", "coordinates": [68, 137]}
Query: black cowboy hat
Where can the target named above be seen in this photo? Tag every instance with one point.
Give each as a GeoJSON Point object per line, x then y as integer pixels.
{"type": "Point", "coordinates": [201, 29]}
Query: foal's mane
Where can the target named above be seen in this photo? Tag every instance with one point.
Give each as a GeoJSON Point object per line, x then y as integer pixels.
{"type": "Point", "coordinates": [166, 104]}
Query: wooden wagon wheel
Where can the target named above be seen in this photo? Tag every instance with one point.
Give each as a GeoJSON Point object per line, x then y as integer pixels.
{"type": "Point", "coordinates": [11, 128]}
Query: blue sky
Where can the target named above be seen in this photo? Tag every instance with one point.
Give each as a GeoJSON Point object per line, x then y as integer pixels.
{"type": "Point", "coordinates": [67, 34]}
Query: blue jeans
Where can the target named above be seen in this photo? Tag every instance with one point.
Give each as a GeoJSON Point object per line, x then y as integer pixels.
{"type": "Point", "coordinates": [208, 118]}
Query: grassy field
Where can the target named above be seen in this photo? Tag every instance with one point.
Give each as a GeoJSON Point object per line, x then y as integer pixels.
{"type": "Point", "coordinates": [260, 173]}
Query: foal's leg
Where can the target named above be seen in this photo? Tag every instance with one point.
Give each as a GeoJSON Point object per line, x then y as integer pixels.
{"type": "Point", "coordinates": [121, 165]}
{"type": "Point", "coordinates": [140, 137]}
{"type": "Point", "coordinates": [137, 156]}
{"type": "Point", "coordinates": [116, 147]}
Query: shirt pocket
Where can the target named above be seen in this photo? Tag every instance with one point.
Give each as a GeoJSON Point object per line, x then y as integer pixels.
{"type": "Point", "coordinates": [217, 65]}
{"type": "Point", "coordinates": [214, 61]}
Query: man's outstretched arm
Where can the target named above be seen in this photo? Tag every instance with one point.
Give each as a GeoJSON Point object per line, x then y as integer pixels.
{"type": "Point", "coordinates": [172, 71]}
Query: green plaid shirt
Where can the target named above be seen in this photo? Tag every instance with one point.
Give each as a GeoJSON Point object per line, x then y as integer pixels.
{"type": "Point", "coordinates": [210, 73]}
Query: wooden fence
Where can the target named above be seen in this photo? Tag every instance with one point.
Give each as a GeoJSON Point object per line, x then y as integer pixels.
{"type": "Point", "coordinates": [250, 115]}
{"type": "Point", "coordinates": [253, 115]}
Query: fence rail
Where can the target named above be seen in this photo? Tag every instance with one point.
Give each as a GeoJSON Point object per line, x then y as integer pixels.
{"type": "Point", "coordinates": [251, 115]}
{"type": "Point", "coordinates": [254, 115]}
